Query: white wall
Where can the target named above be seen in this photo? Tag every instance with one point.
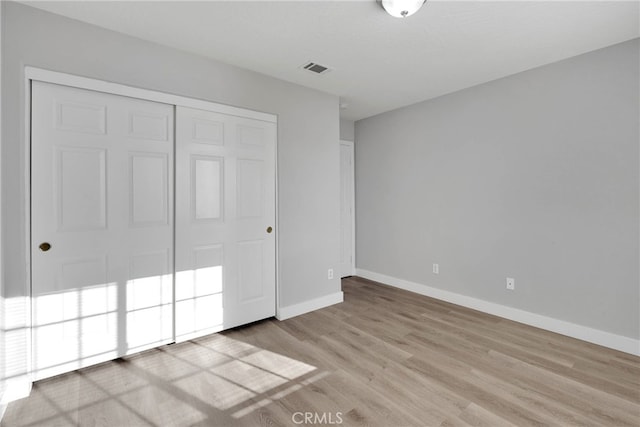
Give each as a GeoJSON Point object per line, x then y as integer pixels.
{"type": "Point", "coordinates": [308, 131]}
{"type": "Point", "coordinates": [534, 176]}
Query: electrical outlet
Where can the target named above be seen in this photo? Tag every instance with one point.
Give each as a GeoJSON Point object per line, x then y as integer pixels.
{"type": "Point", "coordinates": [330, 274]}
{"type": "Point", "coordinates": [511, 283]}
{"type": "Point", "coordinates": [436, 269]}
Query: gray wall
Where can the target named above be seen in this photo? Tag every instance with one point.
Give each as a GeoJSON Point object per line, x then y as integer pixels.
{"type": "Point", "coordinates": [308, 128]}
{"type": "Point", "coordinates": [534, 176]}
{"type": "Point", "coordinates": [347, 130]}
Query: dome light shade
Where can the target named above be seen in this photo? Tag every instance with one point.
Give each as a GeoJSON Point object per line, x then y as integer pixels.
{"type": "Point", "coordinates": [401, 8]}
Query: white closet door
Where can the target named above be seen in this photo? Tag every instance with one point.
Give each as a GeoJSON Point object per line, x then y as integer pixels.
{"type": "Point", "coordinates": [102, 226]}
{"type": "Point", "coordinates": [225, 213]}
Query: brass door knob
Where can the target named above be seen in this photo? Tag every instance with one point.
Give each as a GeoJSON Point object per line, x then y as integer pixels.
{"type": "Point", "coordinates": [44, 247]}
{"type": "Point", "coordinates": [269, 229]}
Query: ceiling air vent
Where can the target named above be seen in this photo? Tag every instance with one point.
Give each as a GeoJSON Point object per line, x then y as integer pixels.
{"type": "Point", "coordinates": [315, 68]}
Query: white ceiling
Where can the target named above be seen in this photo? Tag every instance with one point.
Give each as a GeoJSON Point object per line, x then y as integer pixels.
{"type": "Point", "coordinates": [379, 63]}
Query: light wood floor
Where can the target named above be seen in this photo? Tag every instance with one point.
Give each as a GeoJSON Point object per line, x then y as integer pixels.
{"type": "Point", "coordinates": [384, 357]}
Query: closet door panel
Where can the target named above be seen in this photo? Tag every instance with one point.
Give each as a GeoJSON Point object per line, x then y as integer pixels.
{"type": "Point", "coordinates": [102, 226]}
{"type": "Point", "coordinates": [225, 201]}
{"type": "Point", "coordinates": [253, 294]}
{"type": "Point", "coordinates": [200, 222]}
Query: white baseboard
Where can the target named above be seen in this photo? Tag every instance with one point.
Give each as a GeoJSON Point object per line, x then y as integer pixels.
{"type": "Point", "coordinates": [307, 306]}
{"type": "Point", "coordinates": [596, 336]}
{"type": "Point", "coordinates": [16, 388]}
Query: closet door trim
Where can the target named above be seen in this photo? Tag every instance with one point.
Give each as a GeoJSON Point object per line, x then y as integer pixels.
{"type": "Point", "coordinates": [38, 74]}
{"type": "Point", "coordinates": [33, 73]}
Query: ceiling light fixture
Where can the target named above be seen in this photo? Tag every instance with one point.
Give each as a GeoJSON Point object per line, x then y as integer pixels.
{"type": "Point", "coordinates": [401, 8]}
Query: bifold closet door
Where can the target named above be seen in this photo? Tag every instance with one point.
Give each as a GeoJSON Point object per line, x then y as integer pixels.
{"type": "Point", "coordinates": [102, 226]}
{"type": "Point", "coordinates": [225, 213]}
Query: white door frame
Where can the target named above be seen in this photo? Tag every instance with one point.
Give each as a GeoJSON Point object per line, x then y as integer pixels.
{"type": "Point", "coordinates": [351, 146]}
{"type": "Point", "coordinates": [65, 79]}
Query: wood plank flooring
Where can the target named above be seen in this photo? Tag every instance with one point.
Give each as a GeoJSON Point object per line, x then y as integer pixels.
{"type": "Point", "coordinates": [384, 357]}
